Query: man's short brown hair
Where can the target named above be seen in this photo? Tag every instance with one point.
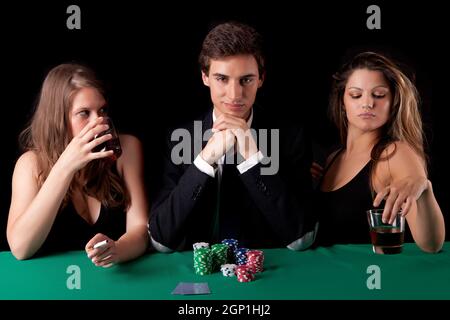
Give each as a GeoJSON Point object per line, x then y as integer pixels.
{"type": "Point", "coordinates": [230, 39]}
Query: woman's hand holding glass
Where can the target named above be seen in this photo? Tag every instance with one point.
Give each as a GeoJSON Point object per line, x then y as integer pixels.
{"type": "Point", "coordinates": [79, 151]}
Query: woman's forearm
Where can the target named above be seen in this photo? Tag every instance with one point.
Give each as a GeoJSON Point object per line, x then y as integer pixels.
{"type": "Point", "coordinates": [133, 243]}
{"type": "Point", "coordinates": [431, 234]}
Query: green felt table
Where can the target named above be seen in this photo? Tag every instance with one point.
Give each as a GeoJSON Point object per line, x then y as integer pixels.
{"type": "Point", "coordinates": [338, 272]}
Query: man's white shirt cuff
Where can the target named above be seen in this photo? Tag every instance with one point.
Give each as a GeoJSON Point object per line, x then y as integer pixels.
{"type": "Point", "coordinates": [306, 241]}
{"type": "Point", "coordinates": [250, 162]}
{"type": "Point", "coordinates": [204, 166]}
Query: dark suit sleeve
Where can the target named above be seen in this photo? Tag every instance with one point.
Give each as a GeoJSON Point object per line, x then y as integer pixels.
{"type": "Point", "coordinates": [285, 197]}
{"type": "Point", "coordinates": [182, 186]}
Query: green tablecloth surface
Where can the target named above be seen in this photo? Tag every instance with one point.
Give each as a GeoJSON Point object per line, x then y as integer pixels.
{"type": "Point", "coordinates": [338, 272]}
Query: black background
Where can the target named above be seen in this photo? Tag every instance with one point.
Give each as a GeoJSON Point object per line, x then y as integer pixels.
{"type": "Point", "coordinates": [147, 55]}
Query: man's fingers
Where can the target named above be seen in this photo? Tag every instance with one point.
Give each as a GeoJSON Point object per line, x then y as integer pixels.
{"type": "Point", "coordinates": [226, 125]}
{"type": "Point", "coordinates": [316, 170]}
{"type": "Point", "coordinates": [228, 122]}
{"type": "Point", "coordinates": [316, 173]}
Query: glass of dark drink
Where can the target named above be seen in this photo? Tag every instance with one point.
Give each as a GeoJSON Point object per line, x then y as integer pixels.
{"type": "Point", "coordinates": [386, 238]}
{"type": "Point", "coordinates": [112, 144]}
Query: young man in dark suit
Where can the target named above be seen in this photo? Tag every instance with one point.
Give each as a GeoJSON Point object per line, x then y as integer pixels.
{"type": "Point", "coordinates": [232, 188]}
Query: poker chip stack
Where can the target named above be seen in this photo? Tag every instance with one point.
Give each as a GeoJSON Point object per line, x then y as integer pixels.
{"type": "Point", "coordinates": [232, 247]}
{"type": "Point", "coordinates": [219, 253]}
{"type": "Point", "coordinates": [203, 261]}
{"type": "Point", "coordinates": [240, 256]}
{"type": "Point", "coordinates": [248, 262]}
{"type": "Point", "coordinates": [244, 274]}
{"type": "Point", "coordinates": [228, 270]}
{"type": "Point", "coordinates": [255, 260]}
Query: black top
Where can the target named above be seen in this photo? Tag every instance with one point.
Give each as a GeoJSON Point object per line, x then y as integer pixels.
{"type": "Point", "coordinates": [70, 231]}
{"type": "Point", "coordinates": [342, 212]}
{"type": "Point", "coordinates": [258, 210]}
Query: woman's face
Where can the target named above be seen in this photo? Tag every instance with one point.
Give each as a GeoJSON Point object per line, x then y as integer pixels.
{"type": "Point", "coordinates": [88, 104]}
{"type": "Point", "coordinates": [367, 100]}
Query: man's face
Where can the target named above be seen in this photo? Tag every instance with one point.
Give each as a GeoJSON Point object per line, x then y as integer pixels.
{"type": "Point", "coordinates": [233, 82]}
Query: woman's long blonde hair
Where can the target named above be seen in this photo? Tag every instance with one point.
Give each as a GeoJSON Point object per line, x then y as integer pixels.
{"type": "Point", "coordinates": [404, 122]}
{"type": "Point", "coordinates": [49, 133]}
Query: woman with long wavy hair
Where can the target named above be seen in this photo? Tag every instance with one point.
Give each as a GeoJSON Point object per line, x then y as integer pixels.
{"type": "Point", "coordinates": [375, 108]}
{"type": "Point", "coordinates": [68, 192]}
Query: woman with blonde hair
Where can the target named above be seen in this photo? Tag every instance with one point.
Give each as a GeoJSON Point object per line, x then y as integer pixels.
{"type": "Point", "coordinates": [375, 108]}
{"type": "Point", "coordinates": [68, 191]}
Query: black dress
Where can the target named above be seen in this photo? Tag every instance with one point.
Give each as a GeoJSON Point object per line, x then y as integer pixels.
{"type": "Point", "coordinates": [342, 212]}
{"type": "Point", "coordinates": [70, 231]}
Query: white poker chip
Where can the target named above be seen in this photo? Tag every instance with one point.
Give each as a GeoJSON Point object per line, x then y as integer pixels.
{"type": "Point", "coordinates": [200, 245]}
{"type": "Point", "coordinates": [228, 270]}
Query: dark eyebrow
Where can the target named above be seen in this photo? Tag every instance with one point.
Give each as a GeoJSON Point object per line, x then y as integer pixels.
{"type": "Point", "coordinates": [250, 75]}
{"type": "Point", "coordinates": [220, 75]}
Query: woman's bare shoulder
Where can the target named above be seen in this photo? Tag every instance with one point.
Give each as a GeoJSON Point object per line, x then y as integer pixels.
{"type": "Point", "coordinates": [400, 151]}
{"type": "Point", "coordinates": [26, 166]}
{"type": "Point", "coordinates": [130, 143]}
{"type": "Point", "coordinates": [28, 160]}
{"type": "Point", "coordinates": [403, 158]}
{"type": "Point", "coordinates": [132, 152]}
